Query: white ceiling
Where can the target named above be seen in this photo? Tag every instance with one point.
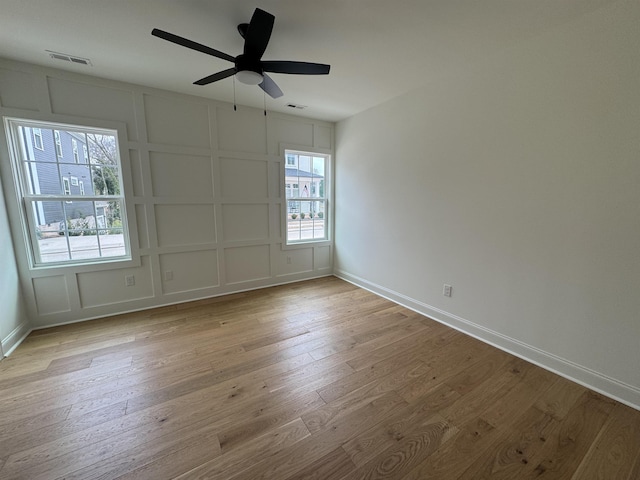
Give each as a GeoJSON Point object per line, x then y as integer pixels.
{"type": "Point", "coordinates": [377, 49]}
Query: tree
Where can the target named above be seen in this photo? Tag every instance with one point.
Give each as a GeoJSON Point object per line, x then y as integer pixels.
{"type": "Point", "coordinates": [103, 155]}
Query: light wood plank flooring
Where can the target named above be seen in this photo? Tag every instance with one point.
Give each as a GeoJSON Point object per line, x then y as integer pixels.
{"type": "Point", "coordinates": [314, 380]}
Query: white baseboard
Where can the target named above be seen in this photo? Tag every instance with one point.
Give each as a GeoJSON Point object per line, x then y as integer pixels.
{"type": "Point", "coordinates": [15, 338]}
{"type": "Point", "coordinates": [620, 391]}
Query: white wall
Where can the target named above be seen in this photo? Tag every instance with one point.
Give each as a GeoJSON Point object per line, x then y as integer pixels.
{"type": "Point", "coordinates": [14, 323]}
{"type": "Point", "coordinates": [517, 181]}
{"type": "Point", "coordinates": [203, 183]}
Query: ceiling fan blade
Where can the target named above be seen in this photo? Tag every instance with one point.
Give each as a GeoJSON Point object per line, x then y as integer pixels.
{"type": "Point", "coordinates": [270, 87]}
{"type": "Point", "coordinates": [191, 44]}
{"type": "Point", "coordinates": [258, 33]}
{"type": "Point", "coordinates": [215, 77]}
{"type": "Point", "coordinates": [299, 68]}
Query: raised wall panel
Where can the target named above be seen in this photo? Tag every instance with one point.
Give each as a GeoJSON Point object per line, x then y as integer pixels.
{"type": "Point", "coordinates": [274, 179]}
{"type": "Point", "coordinates": [16, 90]}
{"type": "Point", "coordinates": [245, 222]}
{"type": "Point", "coordinates": [108, 286]}
{"type": "Point", "coordinates": [185, 224]}
{"type": "Point", "coordinates": [178, 175]}
{"type": "Point", "coordinates": [244, 178]}
{"type": "Point", "coordinates": [296, 133]}
{"type": "Point", "coordinates": [276, 220]}
{"type": "Point", "coordinates": [189, 271]}
{"type": "Point", "coordinates": [92, 101]}
{"type": "Point", "coordinates": [136, 173]}
{"type": "Point", "coordinates": [244, 264]}
{"type": "Point", "coordinates": [174, 121]}
{"type": "Point", "coordinates": [52, 295]}
{"type": "Point", "coordinates": [322, 258]}
{"type": "Point", "coordinates": [242, 131]}
{"type": "Point", "coordinates": [143, 226]}
{"type": "Point", "coordinates": [295, 261]}
{"type": "Point", "coordinates": [322, 136]}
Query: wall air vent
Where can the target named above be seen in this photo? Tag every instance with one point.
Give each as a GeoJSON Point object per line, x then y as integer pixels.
{"type": "Point", "coordinates": [296, 106]}
{"type": "Point", "coordinates": [69, 58]}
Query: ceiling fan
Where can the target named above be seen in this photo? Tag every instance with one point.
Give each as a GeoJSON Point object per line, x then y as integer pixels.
{"type": "Point", "coordinates": [249, 68]}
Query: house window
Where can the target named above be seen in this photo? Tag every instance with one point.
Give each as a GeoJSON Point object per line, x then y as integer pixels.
{"type": "Point", "coordinates": [37, 138]}
{"type": "Point", "coordinates": [74, 146]}
{"type": "Point", "coordinates": [58, 141]}
{"type": "Point", "coordinates": [66, 186]}
{"type": "Point", "coordinates": [67, 220]}
{"type": "Point", "coordinates": [85, 154]}
{"type": "Point", "coordinates": [306, 187]}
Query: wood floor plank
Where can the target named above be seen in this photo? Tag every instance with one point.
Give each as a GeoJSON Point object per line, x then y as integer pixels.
{"type": "Point", "coordinates": [509, 457]}
{"type": "Point", "coordinates": [335, 464]}
{"type": "Point", "coordinates": [421, 442]}
{"type": "Point", "coordinates": [253, 452]}
{"type": "Point", "coordinates": [26, 438]}
{"type": "Point", "coordinates": [288, 462]}
{"type": "Point", "coordinates": [365, 447]}
{"type": "Point", "coordinates": [565, 450]}
{"type": "Point", "coordinates": [317, 379]}
{"type": "Point", "coordinates": [612, 455]}
{"type": "Point", "coordinates": [187, 450]}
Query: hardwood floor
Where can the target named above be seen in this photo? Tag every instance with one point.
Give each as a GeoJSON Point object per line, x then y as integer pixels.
{"type": "Point", "coordinates": [315, 380]}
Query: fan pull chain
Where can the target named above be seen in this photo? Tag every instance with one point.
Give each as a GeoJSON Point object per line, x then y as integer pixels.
{"type": "Point", "coordinates": [235, 108]}
{"type": "Point", "coordinates": [264, 100]}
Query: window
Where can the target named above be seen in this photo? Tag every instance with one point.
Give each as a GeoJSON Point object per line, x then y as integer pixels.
{"type": "Point", "coordinates": [66, 186]}
{"type": "Point", "coordinates": [73, 213]}
{"type": "Point", "coordinates": [58, 141]}
{"type": "Point", "coordinates": [306, 197]}
{"type": "Point", "coordinates": [37, 138]}
{"type": "Point", "coordinates": [85, 154]}
{"type": "Point", "coordinates": [74, 147]}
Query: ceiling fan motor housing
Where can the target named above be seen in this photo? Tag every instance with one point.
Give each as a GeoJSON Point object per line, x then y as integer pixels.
{"type": "Point", "coordinates": [244, 62]}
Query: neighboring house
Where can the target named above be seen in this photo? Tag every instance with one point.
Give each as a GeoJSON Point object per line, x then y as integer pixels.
{"type": "Point", "coordinates": [57, 163]}
{"type": "Point", "coordinates": [301, 182]}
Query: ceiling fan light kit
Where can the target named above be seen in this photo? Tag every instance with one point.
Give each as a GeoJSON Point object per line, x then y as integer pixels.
{"type": "Point", "coordinates": [249, 77]}
{"type": "Point", "coordinates": [249, 68]}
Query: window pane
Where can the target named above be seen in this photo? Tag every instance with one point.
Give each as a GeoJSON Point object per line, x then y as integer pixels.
{"type": "Point", "coordinates": [82, 230]}
{"type": "Point", "coordinates": [305, 220]}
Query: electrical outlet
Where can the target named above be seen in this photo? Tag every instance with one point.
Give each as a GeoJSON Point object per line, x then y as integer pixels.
{"type": "Point", "coordinates": [288, 260]}
{"type": "Point", "coordinates": [168, 275]}
{"type": "Point", "coordinates": [447, 290]}
{"type": "Point", "coordinates": [129, 280]}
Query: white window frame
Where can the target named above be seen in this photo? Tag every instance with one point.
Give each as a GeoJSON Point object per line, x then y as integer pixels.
{"type": "Point", "coordinates": [81, 185]}
{"type": "Point", "coordinates": [326, 199]}
{"type": "Point", "coordinates": [58, 143]}
{"type": "Point", "coordinates": [74, 147]}
{"type": "Point", "coordinates": [28, 202]}
{"type": "Point", "coordinates": [66, 187]}
{"type": "Point", "coordinates": [37, 139]}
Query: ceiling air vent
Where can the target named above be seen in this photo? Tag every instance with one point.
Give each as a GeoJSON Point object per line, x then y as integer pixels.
{"type": "Point", "coordinates": [296, 106]}
{"type": "Point", "coordinates": [68, 58]}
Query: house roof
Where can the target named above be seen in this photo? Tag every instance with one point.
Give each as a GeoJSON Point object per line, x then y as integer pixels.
{"type": "Point", "coordinates": [294, 172]}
